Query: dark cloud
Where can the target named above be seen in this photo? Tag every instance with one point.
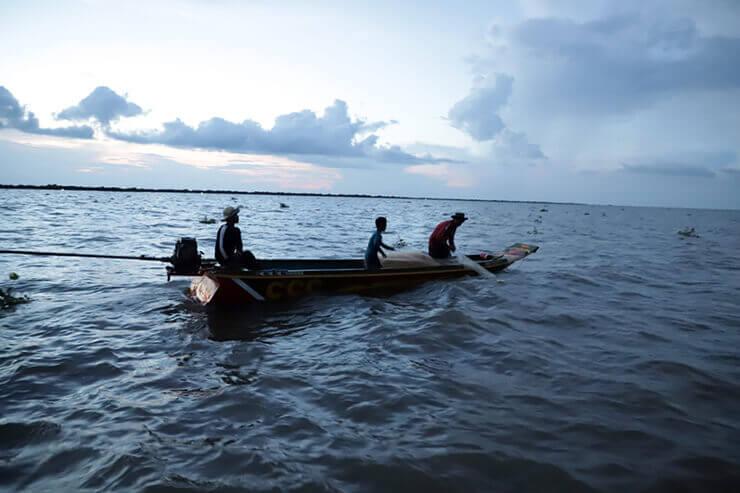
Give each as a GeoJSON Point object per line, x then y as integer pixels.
{"type": "Point", "coordinates": [13, 115]}
{"type": "Point", "coordinates": [103, 105]}
{"type": "Point", "coordinates": [10, 109]}
{"type": "Point", "coordinates": [394, 154]}
{"type": "Point", "coordinates": [478, 116]}
{"type": "Point", "coordinates": [215, 133]}
{"type": "Point", "coordinates": [620, 63]}
{"type": "Point", "coordinates": [693, 164]}
{"type": "Point", "coordinates": [477, 113]}
{"type": "Point", "coordinates": [669, 170]}
{"type": "Point", "coordinates": [332, 134]}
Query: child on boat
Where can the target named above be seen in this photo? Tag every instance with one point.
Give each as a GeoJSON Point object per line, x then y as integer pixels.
{"type": "Point", "coordinates": [376, 245]}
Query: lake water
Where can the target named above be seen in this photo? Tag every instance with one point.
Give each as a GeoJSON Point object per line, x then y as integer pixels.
{"type": "Point", "coordinates": [607, 361]}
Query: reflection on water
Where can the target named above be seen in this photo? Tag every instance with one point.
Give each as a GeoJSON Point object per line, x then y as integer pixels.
{"type": "Point", "coordinates": [259, 322]}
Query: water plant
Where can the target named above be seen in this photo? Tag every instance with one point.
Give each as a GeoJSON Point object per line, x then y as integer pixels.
{"type": "Point", "coordinates": [7, 300]}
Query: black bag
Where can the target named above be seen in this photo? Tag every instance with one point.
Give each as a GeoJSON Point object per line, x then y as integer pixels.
{"type": "Point", "coordinates": [186, 257]}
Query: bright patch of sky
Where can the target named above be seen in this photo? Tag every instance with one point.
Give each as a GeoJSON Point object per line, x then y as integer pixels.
{"type": "Point", "coordinates": [587, 101]}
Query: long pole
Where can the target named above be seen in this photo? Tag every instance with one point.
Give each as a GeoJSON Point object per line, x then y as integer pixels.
{"type": "Point", "coordinates": [86, 255]}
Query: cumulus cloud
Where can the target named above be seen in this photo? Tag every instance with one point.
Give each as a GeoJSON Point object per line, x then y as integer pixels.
{"type": "Point", "coordinates": [332, 134]}
{"type": "Point", "coordinates": [102, 104]}
{"type": "Point", "coordinates": [15, 116]}
{"type": "Point", "coordinates": [478, 116]}
{"type": "Point", "coordinates": [477, 113]}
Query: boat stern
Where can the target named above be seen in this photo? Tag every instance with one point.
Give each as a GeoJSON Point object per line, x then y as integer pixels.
{"type": "Point", "coordinates": [204, 289]}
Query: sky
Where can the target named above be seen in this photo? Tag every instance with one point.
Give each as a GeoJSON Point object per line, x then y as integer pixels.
{"type": "Point", "coordinates": [629, 103]}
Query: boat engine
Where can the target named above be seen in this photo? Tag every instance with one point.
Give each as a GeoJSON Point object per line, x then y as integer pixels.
{"type": "Point", "coordinates": [186, 259]}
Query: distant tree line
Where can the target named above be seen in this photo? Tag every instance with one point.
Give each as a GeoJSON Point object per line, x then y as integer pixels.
{"type": "Point", "coordinates": [54, 186]}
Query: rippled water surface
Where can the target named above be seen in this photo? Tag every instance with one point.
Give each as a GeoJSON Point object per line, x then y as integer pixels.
{"type": "Point", "coordinates": [607, 361]}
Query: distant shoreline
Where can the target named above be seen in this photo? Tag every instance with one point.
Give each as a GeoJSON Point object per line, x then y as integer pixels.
{"type": "Point", "coordinates": [80, 188]}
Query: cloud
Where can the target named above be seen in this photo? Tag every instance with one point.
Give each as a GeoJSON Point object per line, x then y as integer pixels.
{"type": "Point", "coordinates": [695, 164]}
{"type": "Point", "coordinates": [603, 82]}
{"type": "Point", "coordinates": [10, 109]}
{"type": "Point", "coordinates": [510, 145]}
{"type": "Point", "coordinates": [477, 113]}
{"type": "Point", "coordinates": [332, 134]}
{"type": "Point", "coordinates": [455, 177]}
{"type": "Point", "coordinates": [478, 116]}
{"type": "Point", "coordinates": [669, 170]}
{"type": "Point", "coordinates": [394, 154]}
{"type": "Point", "coordinates": [15, 116]}
{"type": "Point", "coordinates": [616, 63]}
{"type": "Point", "coordinates": [718, 17]}
{"type": "Point", "coordinates": [103, 105]}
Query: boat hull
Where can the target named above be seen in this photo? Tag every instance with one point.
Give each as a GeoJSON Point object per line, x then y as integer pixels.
{"type": "Point", "coordinates": [224, 287]}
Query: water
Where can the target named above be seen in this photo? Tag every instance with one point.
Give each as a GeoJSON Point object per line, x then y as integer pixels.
{"type": "Point", "coordinates": [607, 361]}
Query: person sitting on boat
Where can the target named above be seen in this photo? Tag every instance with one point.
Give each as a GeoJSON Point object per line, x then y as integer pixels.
{"type": "Point", "coordinates": [229, 249]}
{"type": "Point", "coordinates": [376, 245]}
{"type": "Point", "coordinates": [442, 240]}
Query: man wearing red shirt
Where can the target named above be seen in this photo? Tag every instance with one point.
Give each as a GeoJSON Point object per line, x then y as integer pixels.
{"type": "Point", "coordinates": [442, 240]}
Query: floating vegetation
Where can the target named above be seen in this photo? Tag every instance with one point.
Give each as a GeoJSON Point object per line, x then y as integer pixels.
{"type": "Point", "coordinates": [533, 232]}
{"type": "Point", "coordinates": [688, 233]}
{"type": "Point", "coordinates": [7, 300]}
{"type": "Point", "coordinates": [206, 220]}
{"type": "Point", "coordinates": [13, 276]}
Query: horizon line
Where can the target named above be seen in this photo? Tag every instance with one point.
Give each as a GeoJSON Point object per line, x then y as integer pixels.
{"type": "Point", "coordinates": [117, 189]}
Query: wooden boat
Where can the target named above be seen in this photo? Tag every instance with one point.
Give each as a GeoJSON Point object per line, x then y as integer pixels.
{"type": "Point", "coordinates": [282, 280]}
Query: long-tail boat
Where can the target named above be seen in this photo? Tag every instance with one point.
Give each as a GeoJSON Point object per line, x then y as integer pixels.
{"type": "Point", "coordinates": [281, 280]}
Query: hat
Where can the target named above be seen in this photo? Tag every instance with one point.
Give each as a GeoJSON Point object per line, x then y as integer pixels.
{"type": "Point", "coordinates": [229, 212]}
{"type": "Point", "coordinates": [460, 216]}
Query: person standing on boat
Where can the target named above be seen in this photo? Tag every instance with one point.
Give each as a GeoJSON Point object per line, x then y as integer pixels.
{"type": "Point", "coordinates": [229, 249]}
{"type": "Point", "coordinates": [442, 240]}
{"type": "Point", "coordinates": [376, 245]}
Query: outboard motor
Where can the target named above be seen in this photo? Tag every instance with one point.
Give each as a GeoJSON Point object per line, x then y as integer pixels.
{"type": "Point", "coordinates": [186, 259]}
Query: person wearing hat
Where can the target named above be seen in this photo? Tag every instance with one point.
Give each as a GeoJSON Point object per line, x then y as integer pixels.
{"type": "Point", "coordinates": [442, 240]}
{"type": "Point", "coordinates": [229, 249]}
